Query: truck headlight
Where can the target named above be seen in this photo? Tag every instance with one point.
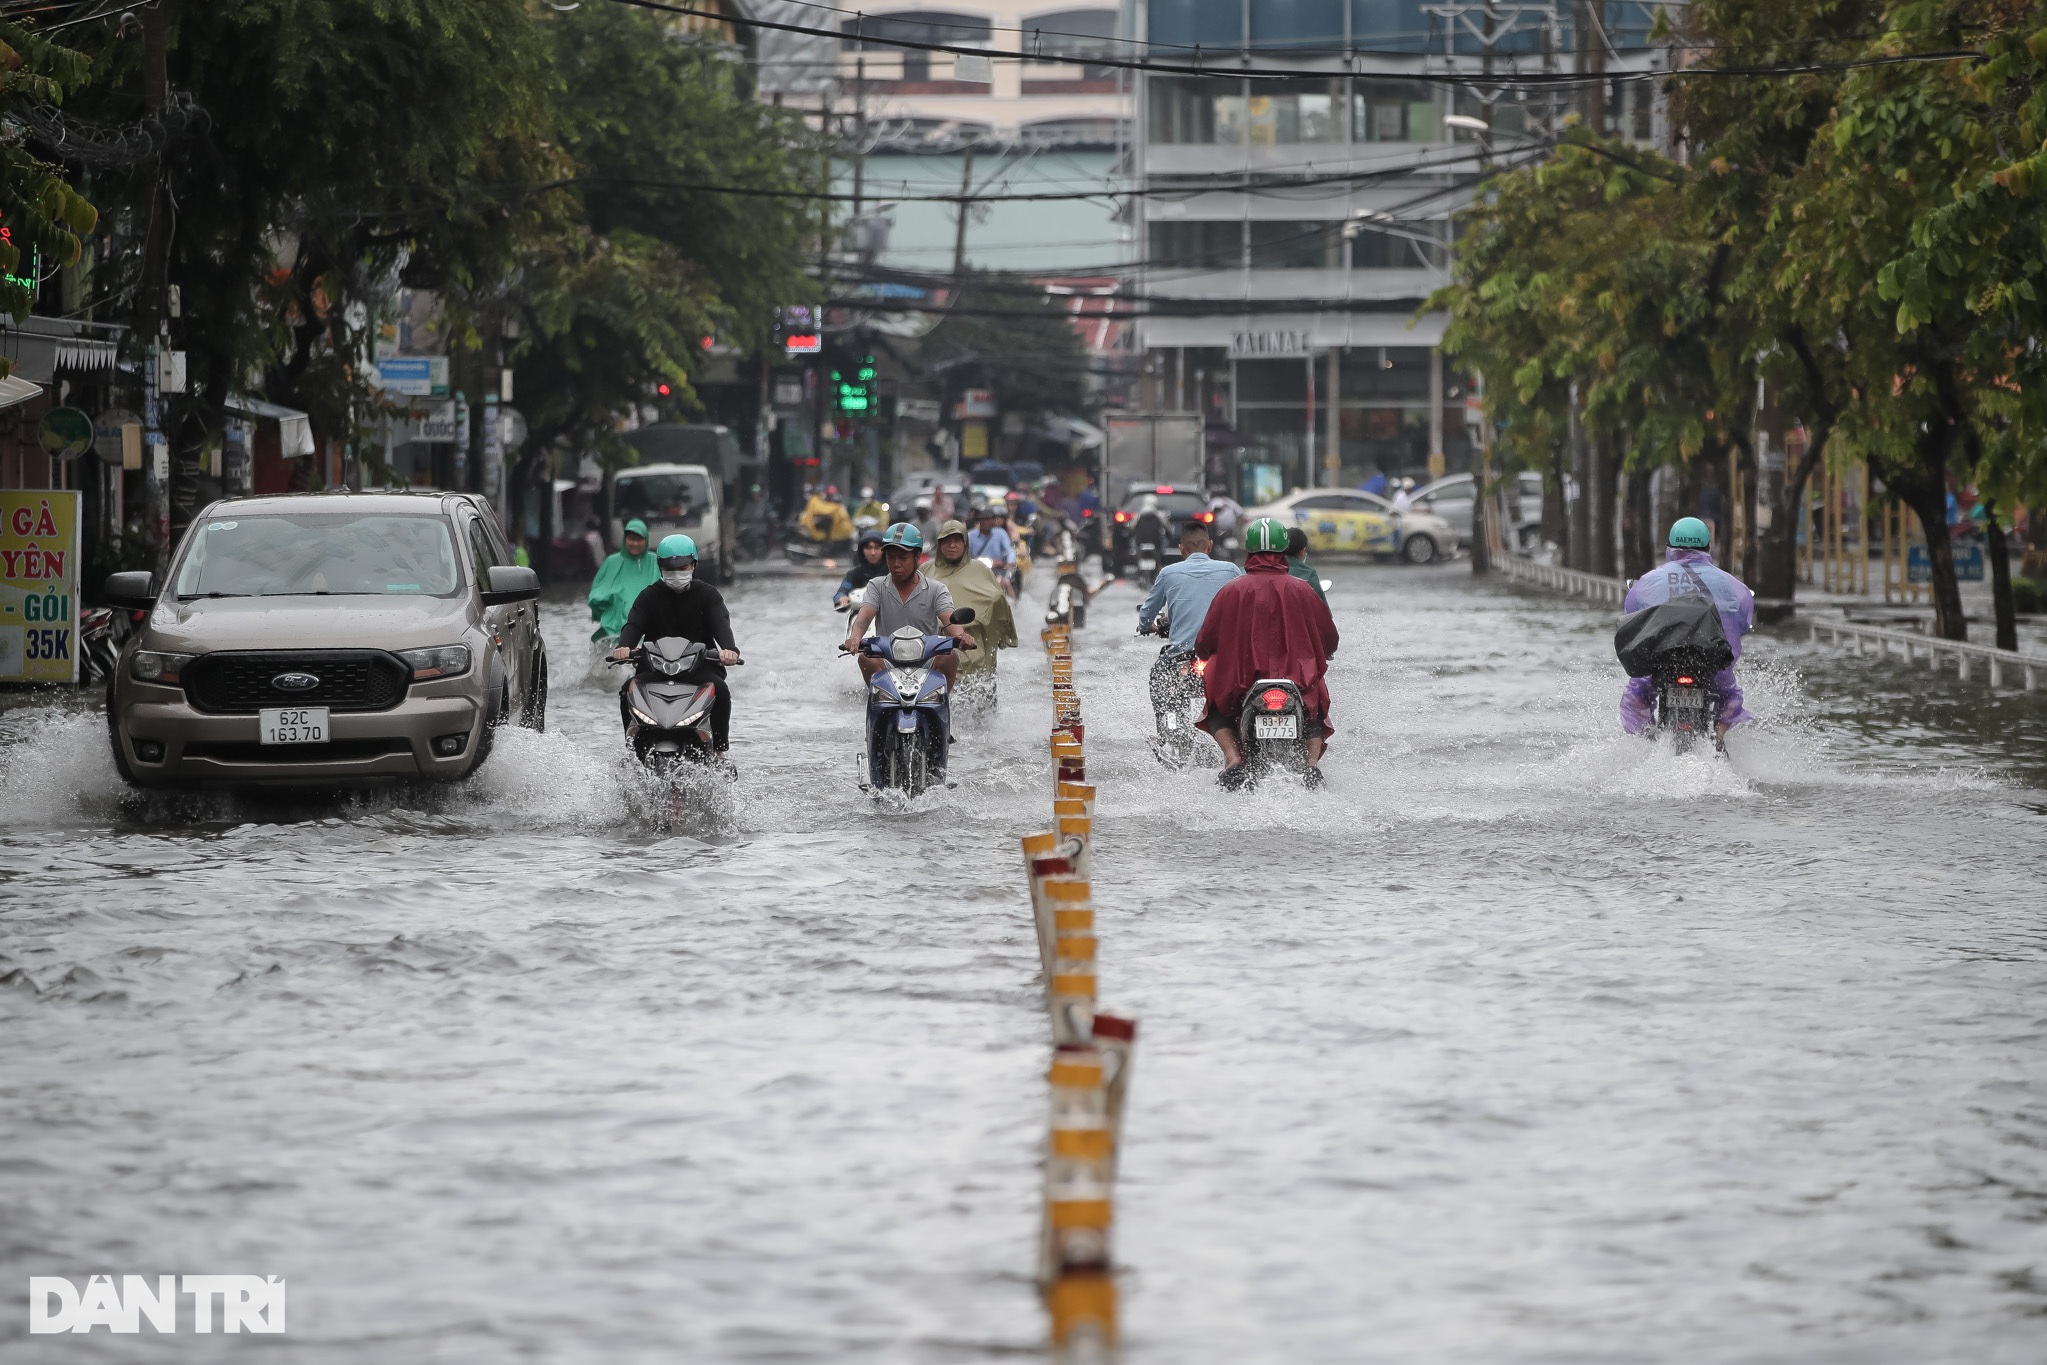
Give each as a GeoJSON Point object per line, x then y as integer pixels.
{"type": "Point", "coordinates": [150, 666]}
{"type": "Point", "coordinates": [442, 661]}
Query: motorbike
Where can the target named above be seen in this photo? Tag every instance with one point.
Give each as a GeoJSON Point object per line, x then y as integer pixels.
{"type": "Point", "coordinates": [669, 702]}
{"type": "Point", "coordinates": [1010, 580]}
{"type": "Point", "coordinates": [100, 633]}
{"type": "Point", "coordinates": [909, 711]}
{"type": "Point", "coordinates": [1176, 684]}
{"type": "Point", "coordinates": [1272, 729]}
{"type": "Point", "coordinates": [1679, 645]}
{"type": "Point", "coordinates": [811, 540]}
{"type": "Point", "coordinates": [1686, 708]}
{"type": "Point", "coordinates": [1149, 539]}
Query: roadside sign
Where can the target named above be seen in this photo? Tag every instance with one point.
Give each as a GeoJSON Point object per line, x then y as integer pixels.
{"type": "Point", "coordinates": [437, 422]}
{"type": "Point", "coordinates": [39, 568]}
{"type": "Point", "coordinates": [107, 441]}
{"type": "Point", "coordinates": [417, 376]}
{"type": "Point", "coordinates": [1968, 564]}
{"type": "Point", "coordinates": [66, 433]}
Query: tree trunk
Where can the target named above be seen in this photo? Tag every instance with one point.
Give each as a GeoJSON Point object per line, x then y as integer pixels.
{"type": "Point", "coordinates": [1928, 499]}
{"type": "Point", "coordinates": [1553, 527]}
{"type": "Point", "coordinates": [2000, 580]}
{"type": "Point", "coordinates": [1577, 549]}
{"type": "Point", "coordinates": [1605, 469]}
{"type": "Point", "coordinates": [1638, 526]}
{"type": "Point", "coordinates": [1777, 565]}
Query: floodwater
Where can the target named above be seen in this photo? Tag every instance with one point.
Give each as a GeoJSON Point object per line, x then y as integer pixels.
{"type": "Point", "coordinates": [1520, 1042]}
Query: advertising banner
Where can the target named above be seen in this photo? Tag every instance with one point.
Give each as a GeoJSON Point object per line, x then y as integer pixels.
{"type": "Point", "coordinates": [39, 568]}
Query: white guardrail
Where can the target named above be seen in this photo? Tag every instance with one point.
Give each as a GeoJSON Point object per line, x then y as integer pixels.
{"type": "Point", "coordinates": [1911, 644]}
{"type": "Point", "coordinates": [1592, 585]}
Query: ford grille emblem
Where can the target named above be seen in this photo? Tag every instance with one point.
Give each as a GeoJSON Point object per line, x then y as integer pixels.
{"type": "Point", "coordinates": [294, 682]}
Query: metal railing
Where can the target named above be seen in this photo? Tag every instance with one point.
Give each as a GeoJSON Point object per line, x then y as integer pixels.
{"type": "Point", "coordinates": [1595, 586]}
{"type": "Point", "coordinates": [1911, 644]}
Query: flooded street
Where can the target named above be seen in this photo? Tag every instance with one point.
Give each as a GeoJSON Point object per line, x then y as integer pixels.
{"type": "Point", "coordinates": [1519, 1042]}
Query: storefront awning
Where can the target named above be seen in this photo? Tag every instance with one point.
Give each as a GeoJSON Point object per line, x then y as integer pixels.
{"type": "Point", "coordinates": [294, 428]}
{"type": "Point", "coordinates": [14, 389]}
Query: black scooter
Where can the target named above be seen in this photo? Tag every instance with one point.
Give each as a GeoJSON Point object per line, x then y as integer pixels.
{"type": "Point", "coordinates": [668, 703]}
{"type": "Point", "coordinates": [1686, 708]}
{"type": "Point", "coordinates": [1273, 730]}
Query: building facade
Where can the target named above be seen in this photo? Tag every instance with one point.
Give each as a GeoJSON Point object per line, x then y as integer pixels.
{"type": "Point", "coordinates": [1290, 229]}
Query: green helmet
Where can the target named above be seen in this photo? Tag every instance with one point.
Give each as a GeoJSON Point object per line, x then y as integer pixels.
{"type": "Point", "coordinates": [1267, 535]}
{"type": "Point", "coordinates": [675, 547]}
{"type": "Point", "coordinates": [903, 536]}
{"type": "Point", "coordinates": [1689, 533]}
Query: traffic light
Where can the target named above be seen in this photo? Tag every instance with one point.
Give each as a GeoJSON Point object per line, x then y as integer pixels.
{"type": "Point", "coordinates": [853, 388]}
{"type": "Point", "coordinates": [798, 330]}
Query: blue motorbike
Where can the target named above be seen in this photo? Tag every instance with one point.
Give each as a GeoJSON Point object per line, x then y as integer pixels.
{"type": "Point", "coordinates": [909, 710]}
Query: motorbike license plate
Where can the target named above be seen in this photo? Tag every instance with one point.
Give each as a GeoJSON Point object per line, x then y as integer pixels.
{"type": "Point", "coordinates": [294, 724]}
{"type": "Point", "coordinates": [1276, 727]}
{"type": "Point", "coordinates": [1147, 563]}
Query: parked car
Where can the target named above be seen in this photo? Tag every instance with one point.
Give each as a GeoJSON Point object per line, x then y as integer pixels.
{"type": "Point", "coordinates": [327, 639]}
{"type": "Point", "coordinates": [674, 498]}
{"type": "Point", "coordinates": [1351, 521]}
{"type": "Point", "coordinates": [1178, 505]}
{"type": "Point", "coordinates": [1450, 498]}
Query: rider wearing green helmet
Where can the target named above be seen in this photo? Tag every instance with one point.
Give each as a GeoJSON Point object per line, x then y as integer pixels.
{"type": "Point", "coordinates": [679, 605]}
{"type": "Point", "coordinates": [1267, 624]}
{"type": "Point", "coordinates": [1688, 570]}
{"type": "Point", "coordinates": [905, 597]}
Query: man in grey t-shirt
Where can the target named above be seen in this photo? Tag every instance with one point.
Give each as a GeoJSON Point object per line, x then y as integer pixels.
{"type": "Point", "coordinates": [906, 598]}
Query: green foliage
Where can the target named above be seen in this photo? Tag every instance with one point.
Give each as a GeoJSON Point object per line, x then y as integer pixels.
{"type": "Point", "coordinates": [44, 218]}
{"type": "Point", "coordinates": [1010, 337]}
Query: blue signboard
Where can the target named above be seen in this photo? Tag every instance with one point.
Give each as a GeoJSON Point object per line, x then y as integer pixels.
{"type": "Point", "coordinates": [1968, 564]}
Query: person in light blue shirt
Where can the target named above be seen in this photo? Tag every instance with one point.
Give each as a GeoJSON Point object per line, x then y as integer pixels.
{"type": "Point", "coordinates": [1183, 591]}
{"type": "Point", "coordinates": [988, 540]}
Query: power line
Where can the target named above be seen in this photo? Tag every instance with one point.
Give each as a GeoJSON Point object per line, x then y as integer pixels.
{"type": "Point", "coordinates": [1553, 79]}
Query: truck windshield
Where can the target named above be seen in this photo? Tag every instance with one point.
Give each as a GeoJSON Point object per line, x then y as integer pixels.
{"type": "Point", "coordinates": [667, 497]}
{"type": "Point", "coordinates": [294, 554]}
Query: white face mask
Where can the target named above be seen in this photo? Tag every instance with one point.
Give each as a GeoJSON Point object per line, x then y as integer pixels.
{"type": "Point", "coordinates": [678, 579]}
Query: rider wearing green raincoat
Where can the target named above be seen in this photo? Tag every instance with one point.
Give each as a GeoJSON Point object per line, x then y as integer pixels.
{"type": "Point", "coordinates": [620, 580]}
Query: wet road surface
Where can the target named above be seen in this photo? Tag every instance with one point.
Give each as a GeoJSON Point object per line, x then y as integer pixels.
{"type": "Point", "coordinates": [1521, 1042]}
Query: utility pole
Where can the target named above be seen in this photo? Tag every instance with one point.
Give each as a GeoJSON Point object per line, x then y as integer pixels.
{"type": "Point", "coordinates": [959, 235]}
{"type": "Point", "coordinates": [859, 134]}
{"type": "Point", "coordinates": [1482, 484]}
{"type": "Point", "coordinates": [1591, 45]}
{"type": "Point", "coordinates": [152, 298]}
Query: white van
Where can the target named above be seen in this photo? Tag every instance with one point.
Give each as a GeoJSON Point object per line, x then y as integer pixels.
{"type": "Point", "coordinates": [673, 498]}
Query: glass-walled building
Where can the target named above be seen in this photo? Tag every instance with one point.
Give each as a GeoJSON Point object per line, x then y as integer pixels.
{"type": "Point", "coordinates": [1289, 229]}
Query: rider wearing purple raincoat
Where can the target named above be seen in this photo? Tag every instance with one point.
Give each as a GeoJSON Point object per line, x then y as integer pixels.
{"type": "Point", "coordinates": [1688, 569]}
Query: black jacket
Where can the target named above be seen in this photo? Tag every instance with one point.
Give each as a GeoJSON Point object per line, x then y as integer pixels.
{"type": "Point", "coordinates": [696, 613]}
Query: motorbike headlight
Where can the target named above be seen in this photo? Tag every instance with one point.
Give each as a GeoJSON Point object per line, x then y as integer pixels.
{"type": "Point", "coordinates": [642, 717]}
{"type": "Point", "coordinates": [906, 651]}
{"type": "Point", "coordinates": [150, 666]}
{"type": "Point", "coordinates": [442, 661]}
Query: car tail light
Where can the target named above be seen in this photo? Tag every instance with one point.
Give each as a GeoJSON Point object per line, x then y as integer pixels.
{"type": "Point", "coordinates": [1684, 682]}
{"type": "Point", "coordinates": [1274, 699]}
{"type": "Point", "coordinates": [1163, 488]}
{"type": "Point", "coordinates": [1122, 516]}
{"type": "Point", "coordinates": [1205, 516]}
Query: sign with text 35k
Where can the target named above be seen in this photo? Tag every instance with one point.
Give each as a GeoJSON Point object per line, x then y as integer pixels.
{"type": "Point", "coordinates": [248, 1303]}
{"type": "Point", "coordinates": [39, 566]}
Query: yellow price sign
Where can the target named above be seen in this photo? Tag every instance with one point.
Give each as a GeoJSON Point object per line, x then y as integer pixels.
{"type": "Point", "coordinates": [39, 568]}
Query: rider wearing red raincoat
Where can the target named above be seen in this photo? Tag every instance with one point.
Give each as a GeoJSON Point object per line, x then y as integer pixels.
{"type": "Point", "coordinates": [1267, 624]}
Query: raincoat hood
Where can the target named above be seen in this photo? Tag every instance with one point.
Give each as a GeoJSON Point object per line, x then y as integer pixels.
{"type": "Point", "coordinates": [621, 578]}
{"type": "Point", "coordinates": [636, 527]}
